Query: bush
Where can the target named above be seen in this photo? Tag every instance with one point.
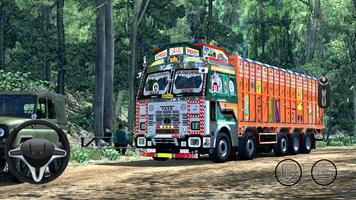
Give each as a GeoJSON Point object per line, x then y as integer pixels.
{"type": "Point", "coordinates": [336, 143]}
{"type": "Point", "coordinates": [79, 155]}
{"type": "Point", "coordinates": [320, 144]}
{"type": "Point", "coordinates": [110, 154]}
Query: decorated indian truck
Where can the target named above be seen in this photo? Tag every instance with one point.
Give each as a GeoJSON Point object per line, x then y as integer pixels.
{"type": "Point", "coordinates": [196, 99]}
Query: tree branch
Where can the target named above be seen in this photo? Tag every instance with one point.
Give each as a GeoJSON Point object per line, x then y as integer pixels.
{"type": "Point", "coordinates": [143, 12]}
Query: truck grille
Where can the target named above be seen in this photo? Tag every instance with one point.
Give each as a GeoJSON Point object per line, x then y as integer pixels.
{"type": "Point", "coordinates": [171, 115]}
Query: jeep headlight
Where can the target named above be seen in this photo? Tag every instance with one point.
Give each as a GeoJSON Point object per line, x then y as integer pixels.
{"type": "Point", "coordinates": [2, 132]}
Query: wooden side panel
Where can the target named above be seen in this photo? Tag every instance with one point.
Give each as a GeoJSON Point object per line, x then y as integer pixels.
{"type": "Point", "coordinates": [259, 92]}
{"type": "Point", "coordinates": [240, 90]}
{"type": "Point", "coordinates": [277, 99]}
{"type": "Point", "coordinates": [270, 95]}
{"type": "Point", "coordinates": [305, 100]}
{"type": "Point", "coordinates": [299, 99]}
{"type": "Point", "coordinates": [265, 92]}
{"type": "Point", "coordinates": [252, 92]}
{"type": "Point", "coordinates": [288, 95]}
{"type": "Point", "coordinates": [246, 89]}
{"type": "Point", "coordinates": [314, 93]}
{"type": "Point", "coordinates": [310, 100]}
{"type": "Point", "coordinates": [283, 96]}
{"type": "Point", "coordinates": [293, 97]}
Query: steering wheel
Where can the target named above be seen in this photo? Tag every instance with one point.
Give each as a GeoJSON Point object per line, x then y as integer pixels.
{"type": "Point", "coordinates": [37, 154]}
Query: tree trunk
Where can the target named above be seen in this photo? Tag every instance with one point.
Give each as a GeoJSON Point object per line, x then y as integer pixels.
{"type": "Point", "coordinates": [312, 29]}
{"type": "Point", "coordinates": [263, 31]}
{"type": "Point", "coordinates": [139, 11]}
{"type": "Point", "coordinates": [119, 102]}
{"type": "Point", "coordinates": [2, 35]}
{"type": "Point", "coordinates": [132, 76]}
{"type": "Point", "coordinates": [46, 13]}
{"type": "Point", "coordinates": [61, 47]}
{"type": "Point", "coordinates": [109, 67]}
{"type": "Point", "coordinates": [99, 69]}
{"type": "Point", "coordinates": [210, 20]}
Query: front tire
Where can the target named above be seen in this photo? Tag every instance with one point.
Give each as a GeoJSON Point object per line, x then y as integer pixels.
{"type": "Point", "coordinates": [307, 144]}
{"type": "Point", "coordinates": [294, 144]}
{"type": "Point", "coordinates": [221, 152]}
{"type": "Point", "coordinates": [247, 147]}
{"type": "Point", "coordinates": [281, 147]}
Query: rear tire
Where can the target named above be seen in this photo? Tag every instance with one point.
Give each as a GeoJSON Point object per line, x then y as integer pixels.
{"type": "Point", "coordinates": [159, 159]}
{"type": "Point", "coordinates": [307, 144]}
{"type": "Point", "coordinates": [221, 152]}
{"type": "Point", "coordinates": [281, 147]}
{"type": "Point", "coordinates": [247, 147]}
{"type": "Point", "coordinates": [294, 144]}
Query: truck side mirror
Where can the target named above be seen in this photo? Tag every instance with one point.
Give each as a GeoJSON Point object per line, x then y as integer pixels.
{"type": "Point", "coordinates": [323, 92]}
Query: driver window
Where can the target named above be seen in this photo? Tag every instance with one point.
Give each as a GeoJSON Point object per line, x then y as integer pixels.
{"type": "Point", "coordinates": [42, 108]}
{"type": "Point", "coordinates": [51, 110]}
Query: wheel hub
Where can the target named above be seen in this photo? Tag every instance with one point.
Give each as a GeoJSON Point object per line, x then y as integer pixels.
{"type": "Point", "coordinates": [223, 148]}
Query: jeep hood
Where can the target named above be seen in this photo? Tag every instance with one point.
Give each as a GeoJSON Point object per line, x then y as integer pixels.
{"type": "Point", "coordinates": [11, 122]}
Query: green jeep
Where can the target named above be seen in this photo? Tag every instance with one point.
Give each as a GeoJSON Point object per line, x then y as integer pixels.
{"type": "Point", "coordinates": [19, 108]}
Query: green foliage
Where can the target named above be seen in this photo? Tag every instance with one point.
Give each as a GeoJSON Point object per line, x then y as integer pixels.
{"type": "Point", "coordinates": [18, 81]}
{"type": "Point", "coordinates": [79, 155]}
{"type": "Point", "coordinates": [110, 153]}
{"type": "Point", "coordinates": [320, 144]}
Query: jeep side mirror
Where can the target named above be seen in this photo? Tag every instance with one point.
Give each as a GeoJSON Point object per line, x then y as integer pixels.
{"type": "Point", "coordinates": [323, 92]}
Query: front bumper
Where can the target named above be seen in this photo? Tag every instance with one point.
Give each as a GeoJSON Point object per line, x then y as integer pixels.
{"type": "Point", "coordinates": [170, 155]}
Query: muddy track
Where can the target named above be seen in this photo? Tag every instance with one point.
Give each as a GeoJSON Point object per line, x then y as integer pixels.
{"type": "Point", "coordinates": [199, 179]}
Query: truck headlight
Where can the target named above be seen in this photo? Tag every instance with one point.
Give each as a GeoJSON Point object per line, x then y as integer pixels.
{"type": "Point", "coordinates": [194, 142]}
{"type": "Point", "coordinates": [141, 141]}
{"type": "Point", "coordinates": [2, 132]}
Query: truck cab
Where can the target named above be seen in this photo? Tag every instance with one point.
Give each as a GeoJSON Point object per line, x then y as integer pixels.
{"type": "Point", "coordinates": [186, 97]}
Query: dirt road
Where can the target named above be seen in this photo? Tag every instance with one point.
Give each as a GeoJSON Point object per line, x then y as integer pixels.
{"type": "Point", "coordinates": [183, 179]}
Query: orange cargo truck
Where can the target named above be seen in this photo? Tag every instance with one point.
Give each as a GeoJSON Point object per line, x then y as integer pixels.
{"type": "Point", "coordinates": [197, 99]}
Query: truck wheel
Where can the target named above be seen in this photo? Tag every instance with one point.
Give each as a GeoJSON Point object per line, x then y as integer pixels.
{"type": "Point", "coordinates": [307, 144]}
{"type": "Point", "coordinates": [247, 147]}
{"type": "Point", "coordinates": [294, 144]}
{"type": "Point", "coordinates": [221, 152]}
{"type": "Point", "coordinates": [159, 159]}
{"type": "Point", "coordinates": [281, 147]}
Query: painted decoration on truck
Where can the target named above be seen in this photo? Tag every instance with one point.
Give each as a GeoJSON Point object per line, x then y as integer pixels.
{"type": "Point", "coordinates": [258, 87]}
{"type": "Point", "coordinates": [246, 107]}
{"type": "Point", "coordinates": [161, 55]}
{"type": "Point", "coordinates": [271, 110]}
{"type": "Point", "coordinates": [215, 54]}
{"type": "Point", "coordinates": [216, 84]}
{"type": "Point", "coordinates": [191, 51]}
{"type": "Point", "coordinates": [176, 51]}
{"type": "Point", "coordinates": [231, 87]}
{"type": "Point", "coordinates": [276, 111]}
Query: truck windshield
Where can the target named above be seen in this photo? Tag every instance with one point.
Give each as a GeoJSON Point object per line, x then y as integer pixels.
{"type": "Point", "coordinates": [17, 105]}
{"type": "Point", "coordinates": [187, 81]}
{"type": "Point", "coordinates": [156, 83]}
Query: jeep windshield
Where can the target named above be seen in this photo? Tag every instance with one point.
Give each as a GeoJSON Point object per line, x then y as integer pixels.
{"type": "Point", "coordinates": [17, 105]}
{"type": "Point", "coordinates": [188, 81]}
{"type": "Point", "coordinates": [157, 83]}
